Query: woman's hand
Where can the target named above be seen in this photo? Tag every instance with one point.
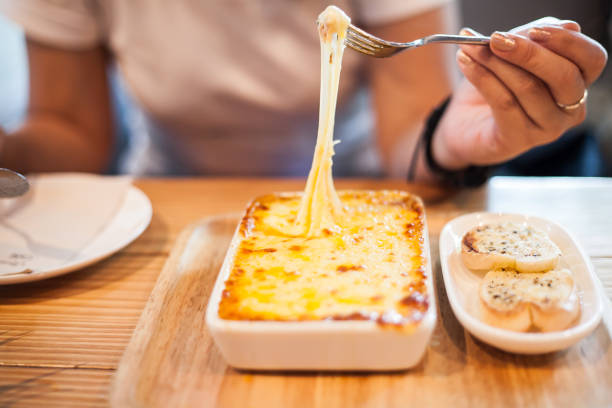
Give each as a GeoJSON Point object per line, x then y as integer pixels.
{"type": "Point", "coordinates": [510, 100]}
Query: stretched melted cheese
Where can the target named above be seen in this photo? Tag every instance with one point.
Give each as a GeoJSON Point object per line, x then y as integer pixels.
{"type": "Point", "coordinates": [372, 268]}
{"type": "Point", "coordinates": [320, 207]}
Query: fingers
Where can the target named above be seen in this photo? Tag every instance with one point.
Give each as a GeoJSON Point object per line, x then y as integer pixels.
{"type": "Point", "coordinates": [506, 109]}
{"type": "Point", "coordinates": [586, 53]}
{"type": "Point", "coordinates": [568, 24]}
{"type": "Point", "coordinates": [563, 78]}
{"type": "Point", "coordinates": [530, 92]}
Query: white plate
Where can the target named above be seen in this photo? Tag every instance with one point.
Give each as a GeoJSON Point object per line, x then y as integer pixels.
{"type": "Point", "coordinates": [130, 221]}
{"type": "Point", "coordinates": [317, 345]}
{"type": "Point", "coordinates": [462, 286]}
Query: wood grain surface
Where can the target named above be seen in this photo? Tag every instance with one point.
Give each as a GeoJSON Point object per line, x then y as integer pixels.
{"type": "Point", "coordinates": [61, 340]}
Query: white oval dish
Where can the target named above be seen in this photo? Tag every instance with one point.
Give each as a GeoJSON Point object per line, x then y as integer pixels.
{"type": "Point", "coordinates": [462, 286]}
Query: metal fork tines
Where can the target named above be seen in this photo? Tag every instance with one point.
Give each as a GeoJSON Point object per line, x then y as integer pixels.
{"type": "Point", "coordinates": [368, 44]}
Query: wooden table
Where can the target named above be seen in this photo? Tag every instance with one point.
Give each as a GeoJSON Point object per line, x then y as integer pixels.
{"type": "Point", "coordinates": [61, 339]}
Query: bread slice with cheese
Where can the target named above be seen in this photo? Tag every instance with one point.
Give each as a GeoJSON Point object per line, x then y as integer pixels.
{"type": "Point", "coordinates": [553, 299]}
{"type": "Point", "coordinates": [546, 301]}
{"type": "Point", "coordinates": [502, 301]}
{"type": "Point", "coordinates": [509, 245]}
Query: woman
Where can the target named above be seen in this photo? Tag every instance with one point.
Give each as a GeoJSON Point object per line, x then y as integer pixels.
{"type": "Point", "coordinates": [232, 87]}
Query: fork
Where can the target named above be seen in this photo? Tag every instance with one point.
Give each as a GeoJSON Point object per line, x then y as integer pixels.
{"type": "Point", "coordinates": [368, 44]}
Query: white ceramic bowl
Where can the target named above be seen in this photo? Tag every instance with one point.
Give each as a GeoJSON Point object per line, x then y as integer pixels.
{"type": "Point", "coordinates": [317, 345]}
{"type": "Point", "coordinates": [462, 286]}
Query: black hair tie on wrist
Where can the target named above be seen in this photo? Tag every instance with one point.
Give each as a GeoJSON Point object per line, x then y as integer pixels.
{"type": "Point", "coordinates": [472, 176]}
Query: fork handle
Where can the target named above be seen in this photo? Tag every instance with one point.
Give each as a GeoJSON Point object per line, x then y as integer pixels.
{"type": "Point", "coordinates": [457, 39]}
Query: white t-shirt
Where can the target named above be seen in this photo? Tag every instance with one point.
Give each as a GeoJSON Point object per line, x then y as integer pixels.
{"type": "Point", "coordinates": [225, 87]}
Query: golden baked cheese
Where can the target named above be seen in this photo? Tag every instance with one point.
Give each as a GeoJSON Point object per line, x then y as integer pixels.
{"type": "Point", "coordinates": [372, 267]}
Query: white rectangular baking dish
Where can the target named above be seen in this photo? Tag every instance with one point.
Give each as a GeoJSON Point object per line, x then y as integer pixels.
{"type": "Point", "coordinates": [317, 345]}
{"type": "Point", "coordinates": [462, 286]}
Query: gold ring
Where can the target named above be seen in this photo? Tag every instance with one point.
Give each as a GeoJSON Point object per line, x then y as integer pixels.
{"type": "Point", "coordinates": [574, 105]}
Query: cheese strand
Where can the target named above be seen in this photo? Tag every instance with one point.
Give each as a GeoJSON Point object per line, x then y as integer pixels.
{"type": "Point", "coordinates": [320, 207]}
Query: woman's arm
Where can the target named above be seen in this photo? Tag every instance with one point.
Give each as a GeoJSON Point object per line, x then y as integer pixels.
{"type": "Point", "coordinates": [408, 86]}
{"type": "Point", "coordinates": [68, 124]}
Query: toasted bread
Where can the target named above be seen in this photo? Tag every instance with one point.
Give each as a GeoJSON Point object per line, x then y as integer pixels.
{"type": "Point", "coordinates": [502, 302]}
{"type": "Point", "coordinates": [516, 301]}
{"type": "Point", "coordinates": [509, 245]}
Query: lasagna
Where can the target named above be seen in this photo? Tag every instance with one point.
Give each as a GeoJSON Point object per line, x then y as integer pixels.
{"type": "Point", "coordinates": [328, 255]}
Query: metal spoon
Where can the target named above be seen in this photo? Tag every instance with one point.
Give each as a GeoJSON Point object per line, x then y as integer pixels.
{"type": "Point", "coordinates": [12, 184]}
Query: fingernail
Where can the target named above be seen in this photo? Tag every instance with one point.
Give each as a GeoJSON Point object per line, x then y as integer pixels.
{"type": "Point", "coordinates": [538, 34]}
{"type": "Point", "coordinates": [464, 58]}
{"type": "Point", "coordinates": [502, 41]}
{"type": "Point", "coordinates": [572, 23]}
{"type": "Point", "coordinates": [469, 31]}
